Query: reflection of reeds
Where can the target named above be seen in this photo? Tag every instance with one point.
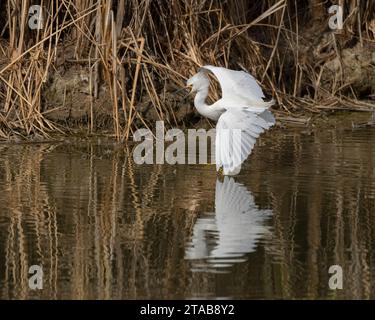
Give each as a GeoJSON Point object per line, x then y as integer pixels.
{"type": "Point", "coordinates": [103, 227]}
{"type": "Point", "coordinates": [87, 221]}
{"type": "Point", "coordinates": [30, 211]}
{"type": "Point", "coordinates": [325, 213]}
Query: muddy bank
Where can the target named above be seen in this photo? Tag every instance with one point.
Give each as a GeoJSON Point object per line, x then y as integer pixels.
{"type": "Point", "coordinates": [115, 66]}
{"type": "Point", "coordinates": [68, 97]}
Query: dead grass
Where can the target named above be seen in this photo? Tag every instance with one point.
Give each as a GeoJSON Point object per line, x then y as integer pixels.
{"type": "Point", "coordinates": [147, 48]}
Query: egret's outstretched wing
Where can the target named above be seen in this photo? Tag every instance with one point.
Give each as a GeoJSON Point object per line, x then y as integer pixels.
{"type": "Point", "coordinates": [268, 117]}
{"type": "Point", "coordinates": [239, 85]}
{"type": "Point", "coordinates": [234, 230]}
{"type": "Point", "coordinates": [236, 134]}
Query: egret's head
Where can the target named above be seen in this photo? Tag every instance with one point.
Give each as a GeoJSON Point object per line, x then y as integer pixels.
{"type": "Point", "coordinates": [198, 81]}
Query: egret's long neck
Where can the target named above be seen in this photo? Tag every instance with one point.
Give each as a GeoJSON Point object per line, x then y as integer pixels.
{"type": "Point", "coordinates": [200, 101]}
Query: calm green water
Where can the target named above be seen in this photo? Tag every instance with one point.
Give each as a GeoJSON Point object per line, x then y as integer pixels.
{"type": "Point", "coordinates": [104, 227]}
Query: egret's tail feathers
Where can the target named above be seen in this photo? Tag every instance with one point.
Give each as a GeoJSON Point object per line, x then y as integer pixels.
{"type": "Point", "coordinates": [259, 106]}
{"type": "Point", "coordinates": [267, 104]}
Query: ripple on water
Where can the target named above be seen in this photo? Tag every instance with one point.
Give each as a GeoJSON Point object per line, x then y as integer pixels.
{"type": "Point", "coordinates": [104, 227]}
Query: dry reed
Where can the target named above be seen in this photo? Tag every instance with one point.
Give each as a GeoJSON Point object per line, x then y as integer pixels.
{"type": "Point", "coordinates": [139, 49]}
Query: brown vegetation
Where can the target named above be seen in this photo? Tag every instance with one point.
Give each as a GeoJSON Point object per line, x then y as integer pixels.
{"type": "Point", "coordinates": [115, 64]}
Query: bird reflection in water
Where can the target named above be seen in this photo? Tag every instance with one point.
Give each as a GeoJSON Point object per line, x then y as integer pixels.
{"type": "Point", "coordinates": [223, 238]}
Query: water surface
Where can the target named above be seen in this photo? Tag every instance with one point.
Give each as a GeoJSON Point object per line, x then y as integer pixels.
{"type": "Point", "coordinates": [103, 227]}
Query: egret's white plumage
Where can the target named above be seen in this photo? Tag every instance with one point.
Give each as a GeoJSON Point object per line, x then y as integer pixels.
{"type": "Point", "coordinates": [241, 114]}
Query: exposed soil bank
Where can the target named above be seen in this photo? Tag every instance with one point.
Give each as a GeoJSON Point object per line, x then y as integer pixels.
{"type": "Point", "coordinates": [68, 98]}
{"type": "Point", "coordinates": [115, 66]}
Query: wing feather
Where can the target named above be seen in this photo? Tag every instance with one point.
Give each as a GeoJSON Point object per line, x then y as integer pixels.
{"type": "Point", "coordinates": [236, 134]}
{"type": "Point", "coordinates": [240, 88]}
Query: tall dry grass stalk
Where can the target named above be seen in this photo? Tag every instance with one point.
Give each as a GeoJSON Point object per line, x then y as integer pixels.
{"type": "Point", "coordinates": [147, 48]}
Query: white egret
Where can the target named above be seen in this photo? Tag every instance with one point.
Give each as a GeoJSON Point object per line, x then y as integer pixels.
{"type": "Point", "coordinates": [240, 110]}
